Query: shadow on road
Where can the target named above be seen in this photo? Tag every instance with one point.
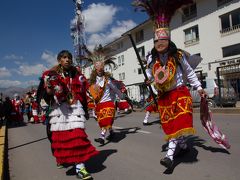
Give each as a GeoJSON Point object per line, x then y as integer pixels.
{"type": "Point", "coordinates": [157, 121]}
{"type": "Point", "coordinates": [196, 141]}
{"type": "Point", "coordinates": [122, 114]}
{"type": "Point", "coordinates": [15, 124]}
{"type": "Point", "coordinates": [191, 157]}
{"type": "Point", "coordinates": [95, 164]}
{"type": "Point", "coordinates": [120, 134]}
{"type": "Point", "coordinates": [27, 143]}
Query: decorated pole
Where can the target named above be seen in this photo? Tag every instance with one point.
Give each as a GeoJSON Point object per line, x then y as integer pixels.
{"type": "Point", "coordinates": [143, 69]}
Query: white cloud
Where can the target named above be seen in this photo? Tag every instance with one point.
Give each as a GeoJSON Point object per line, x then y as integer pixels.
{"type": "Point", "coordinates": [13, 57]}
{"type": "Point", "coordinates": [9, 83]}
{"type": "Point", "coordinates": [30, 83]}
{"type": "Point", "coordinates": [28, 70]}
{"type": "Point", "coordinates": [98, 17]}
{"type": "Point", "coordinates": [115, 32]}
{"type": "Point", "coordinates": [4, 72]}
{"type": "Point", "coordinates": [49, 57]}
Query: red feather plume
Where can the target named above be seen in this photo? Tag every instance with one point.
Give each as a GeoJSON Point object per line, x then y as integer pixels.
{"type": "Point", "coordinates": [160, 11]}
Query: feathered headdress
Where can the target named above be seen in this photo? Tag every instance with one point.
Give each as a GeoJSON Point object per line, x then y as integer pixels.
{"type": "Point", "coordinates": [101, 56]}
{"type": "Point", "coordinates": [160, 12]}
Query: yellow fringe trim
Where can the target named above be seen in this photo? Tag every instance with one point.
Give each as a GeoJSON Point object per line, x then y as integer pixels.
{"type": "Point", "coordinates": [107, 127]}
{"type": "Point", "coordinates": [185, 131]}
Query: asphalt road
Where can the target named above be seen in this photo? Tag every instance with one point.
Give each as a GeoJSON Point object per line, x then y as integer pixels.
{"type": "Point", "coordinates": [134, 154]}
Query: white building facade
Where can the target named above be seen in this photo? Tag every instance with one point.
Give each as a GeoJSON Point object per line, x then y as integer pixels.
{"type": "Point", "coordinates": [210, 28]}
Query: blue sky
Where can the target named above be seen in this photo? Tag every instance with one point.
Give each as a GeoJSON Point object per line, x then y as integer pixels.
{"type": "Point", "coordinates": [33, 32]}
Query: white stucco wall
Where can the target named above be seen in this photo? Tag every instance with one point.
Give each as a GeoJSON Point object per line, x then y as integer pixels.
{"type": "Point", "coordinates": [210, 42]}
{"type": "Point", "coordinates": [210, 39]}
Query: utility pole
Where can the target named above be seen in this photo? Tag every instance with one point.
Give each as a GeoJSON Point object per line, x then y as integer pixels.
{"type": "Point", "coordinates": [78, 34]}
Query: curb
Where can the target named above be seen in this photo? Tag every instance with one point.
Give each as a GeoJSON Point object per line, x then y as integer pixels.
{"type": "Point", "coordinates": [2, 149]}
{"type": "Point", "coordinates": [221, 110]}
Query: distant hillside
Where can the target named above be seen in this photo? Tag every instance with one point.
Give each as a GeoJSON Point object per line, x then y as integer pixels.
{"type": "Point", "coordinates": [12, 90]}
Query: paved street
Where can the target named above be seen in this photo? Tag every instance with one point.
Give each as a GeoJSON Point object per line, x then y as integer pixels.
{"type": "Point", "coordinates": [134, 154]}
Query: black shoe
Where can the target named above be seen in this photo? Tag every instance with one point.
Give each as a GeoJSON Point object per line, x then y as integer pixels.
{"type": "Point", "coordinates": [146, 123]}
{"type": "Point", "coordinates": [100, 140]}
{"type": "Point", "coordinates": [182, 152]}
{"type": "Point", "coordinates": [111, 136]}
{"type": "Point", "coordinates": [167, 162]}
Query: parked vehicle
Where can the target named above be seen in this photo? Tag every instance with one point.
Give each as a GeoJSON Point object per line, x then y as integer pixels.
{"type": "Point", "coordinates": [228, 95]}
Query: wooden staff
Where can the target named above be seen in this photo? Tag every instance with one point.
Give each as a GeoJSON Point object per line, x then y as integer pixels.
{"type": "Point", "coordinates": [143, 69]}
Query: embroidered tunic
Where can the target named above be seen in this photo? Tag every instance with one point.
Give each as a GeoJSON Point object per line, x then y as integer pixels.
{"type": "Point", "coordinates": [174, 99]}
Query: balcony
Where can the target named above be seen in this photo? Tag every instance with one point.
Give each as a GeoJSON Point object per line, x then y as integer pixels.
{"type": "Point", "coordinates": [191, 42]}
{"type": "Point", "coordinates": [230, 30]}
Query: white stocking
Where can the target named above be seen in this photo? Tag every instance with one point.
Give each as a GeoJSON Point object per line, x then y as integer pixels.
{"type": "Point", "coordinates": [79, 167]}
{"type": "Point", "coordinates": [103, 133]}
{"type": "Point", "coordinates": [171, 148]}
{"type": "Point", "coordinates": [146, 117]}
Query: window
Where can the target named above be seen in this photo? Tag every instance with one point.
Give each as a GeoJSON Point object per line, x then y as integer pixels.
{"type": "Point", "coordinates": [122, 58]}
{"type": "Point", "coordinates": [198, 54]}
{"type": "Point", "coordinates": [222, 2]}
{"type": "Point", "coordinates": [119, 61]}
{"type": "Point", "coordinates": [140, 71]}
{"type": "Point", "coordinates": [231, 21]}
{"type": "Point", "coordinates": [141, 52]}
{"type": "Point", "coordinates": [231, 50]}
{"type": "Point", "coordinates": [189, 12]}
{"type": "Point", "coordinates": [121, 76]}
{"type": "Point", "coordinates": [139, 36]}
{"type": "Point", "coordinates": [191, 35]}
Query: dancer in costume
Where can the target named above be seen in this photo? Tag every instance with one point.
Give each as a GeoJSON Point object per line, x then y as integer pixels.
{"type": "Point", "coordinates": [122, 104]}
{"type": "Point", "coordinates": [150, 107]}
{"type": "Point", "coordinates": [103, 92]}
{"type": "Point", "coordinates": [66, 89]}
{"type": "Point", "coordinates": [27, 102]}
{"type": "Point", "coordinates": [18, 109]}
{"type": "Point", "coordinates": [91, 107]}
{"type": "Point", "coordinates": [167, 69]}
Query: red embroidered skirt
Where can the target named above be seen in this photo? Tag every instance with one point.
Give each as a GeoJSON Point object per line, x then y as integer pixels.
{"type": "Point", "coordinates": [175, 109]}
{"type": "Point", "coordinates": [72, 146]}
{"type": "Point", "coordinates": [152, 108]}
{"type": "Point", "coordinates": [123, 105]}
{"type": "Point", "coordinates": [105, 114]}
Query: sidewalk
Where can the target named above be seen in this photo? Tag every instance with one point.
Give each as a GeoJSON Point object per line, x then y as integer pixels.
{"type": "Point", "coordinates": [238, 104]}
{"type": "Point", "coordinates": [223, 110]}
{"type": "Point", "coordinates": [2, 150]}
{"type": "Point", "coordinates": [227, 110]}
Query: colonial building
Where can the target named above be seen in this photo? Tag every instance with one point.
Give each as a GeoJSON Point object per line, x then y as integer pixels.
{"type": "Point", "coordinates": [210, 28]}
